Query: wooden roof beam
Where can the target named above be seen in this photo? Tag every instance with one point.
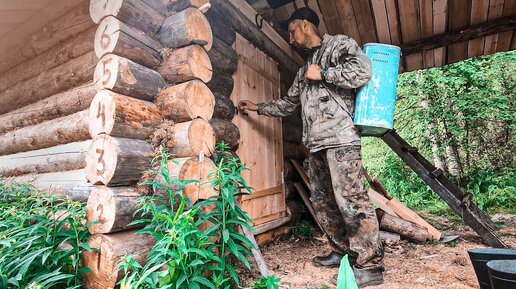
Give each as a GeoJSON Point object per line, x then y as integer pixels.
{"type": "Point", "coordinates": [473, 32]}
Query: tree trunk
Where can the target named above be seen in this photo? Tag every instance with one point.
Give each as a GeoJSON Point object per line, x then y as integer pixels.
{"type": "Point", "coordinates": [227, 132]}
{"type": "Point", "coordinates": [187, 27]}
{"type": "Point", "coordinates": [70, 184]}
{"type": "Point", "coordinates": [223, 57]}
{"type": "Point", "coordinates": [117, 161]}
{"type": "Point", "coordinates": [179, 5]}
{"type": "Point", "coordinates": [112, 208]}
{"type": "Point", "coordinates": [193, 137]}
{"type": "Point", "coordinates": [220, 27]}
{"type": "Point", "coordinates": [123, 40]}
{"type": "Point", "coordinates": [221, 84]}
{"type": "Point", "coordinates": [186, 101]}
{"type": "Point", "coordinates": [184, 169]}
{"type": "Point", "coordinates": [66, 76]}
{"type": "Point", "coordinates": [186, 64]}
{"type": "Point", "coordinates": [65, 157]}
{"type": "Point", "coordinates": [405, 228]}
{"type": "Point", "coordinates": [59, 105]}
{"type": "Point", "coordinates": [54, 132]}
{"type": "Point", "coordinates": [113, 247]}
{"type": "Point", "coordinates": [136, 13]}
{"type": "Point", "coordinates": [127, 77]}
{"type": "Point", "coordinates": [122, 116]}
{"type": "Point", "coordinates": [224, 108]}
{"type": "Point", "coordinates": [59, 55]}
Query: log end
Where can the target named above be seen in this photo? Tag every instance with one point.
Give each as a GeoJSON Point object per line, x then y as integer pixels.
{"type": "Point", "coordinates": [101, 8]}
{"type": "Point", "coordinates": [101, 160]}
{"type": "Point", "coordinates": [200, 64]}
{"type": "Point", "coordinates": [101, 208]}
{"type": "Point", "coordinates": [102, 113]}
{"type": "Point", "coordinates": [202, 137]}
{"type": "Point", "coordinates": [105, 75]}
{"type": "Point", "coordinates": [106, 36]}
{"type": "Point", "coordinates": [200, 100]}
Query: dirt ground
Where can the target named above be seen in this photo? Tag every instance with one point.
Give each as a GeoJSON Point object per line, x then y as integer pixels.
{"type": "Point", "coordinates": [408, 265]}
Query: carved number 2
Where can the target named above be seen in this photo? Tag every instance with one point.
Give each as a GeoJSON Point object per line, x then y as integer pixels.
{"type": "Point", "coordinates": [101, 162]}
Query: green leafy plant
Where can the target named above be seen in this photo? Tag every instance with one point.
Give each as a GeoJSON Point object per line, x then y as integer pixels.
{"type": "Point", "coordinates": [42, 239]}
{"type": "Point", "coordinates": [270, 282]}
{"type": "Point", "coordinates": [303, 229]}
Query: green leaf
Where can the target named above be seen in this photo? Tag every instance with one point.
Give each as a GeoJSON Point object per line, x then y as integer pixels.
{"type": "Point", "coordinates": [346, 277]}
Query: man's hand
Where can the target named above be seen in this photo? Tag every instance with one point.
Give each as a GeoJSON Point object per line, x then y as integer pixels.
{"type": "Point", "coordinates": [247, 105]}
{"type": "Point", "coordinates": [313, 72]}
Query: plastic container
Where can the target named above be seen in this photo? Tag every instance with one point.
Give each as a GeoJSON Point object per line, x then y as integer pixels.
{"type": "Point", "coordinates": [480, 257]}
{"type": "Point", "coordinates": [502, 274]}
{"type": "Point", "coordinates": [374, 110]}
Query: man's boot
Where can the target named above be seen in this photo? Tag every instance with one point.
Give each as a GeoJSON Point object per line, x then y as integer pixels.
{"type": "Point", "coordinates": [365, 276]}
{"type": "Point", "coordinates": [332, 260]}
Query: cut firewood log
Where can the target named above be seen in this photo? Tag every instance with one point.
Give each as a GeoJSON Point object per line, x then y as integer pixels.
{"type": "Point", "coordinates": [192, 138]}
{"type": "Point", "coordinates": [220, 27]}
{"type": "Point", "coordinates": [227, 132]}
{"type": "Point", "coordinates": [122, 116]}
{"type": "Point", "coordinates": [380, 201]}
{"type": "Point", "coordinates": [113, 209]}
{"type": "Point", "coordinates": [186, 63]}
{"type": "Point", "coordinates": [71, 74]}
{"type": "Point", "coordinates": [186, 101]}
{"type": "Point", "coordinates": [69, 184]}
{"type": "Point", "coordinates": [111, 248]}
{"type": "Point", "coordinates": [223, 57]}
{"type": "Point", "coordinates": [116, 37]}
{"type": "Point", "coordinates": [409, 215]}
{"type": "Point", "coordinates": [189, 26]}
{"type": "Point", "coordinates": [58, 105]}
{"type": "Point", "coordinates": [137, 13]}
{"type": "Point", "coordinates": [179, 5]}
{"type": "Point", "coordinates": [68, 50]}
{"type": "Point", "coordinates": [129, 78]}
{"type": "Point", "coordinates": [221, 84]}
{"type": "Point", "coordinates": [117, 161]}
{"type": "Point", "coordinates": [405, 228]}
{"type": "Point", "coordinates": [65, 157]}
{"type": "Point", "coordinates": [224, 108]}
{"type": "Point", "coordinates": [190, 168]}
{"type": "Point", "coordinates": [48, 36]}
{"type": "Point", "coordinates": [54, 132]}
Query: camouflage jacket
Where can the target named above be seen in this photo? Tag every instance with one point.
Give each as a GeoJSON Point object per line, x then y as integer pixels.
{"type": "Point", "coordinates": [326, 124]}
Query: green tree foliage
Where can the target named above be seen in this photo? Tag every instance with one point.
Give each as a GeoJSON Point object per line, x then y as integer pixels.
{"type": "Point", "coordinates": [466, 112]}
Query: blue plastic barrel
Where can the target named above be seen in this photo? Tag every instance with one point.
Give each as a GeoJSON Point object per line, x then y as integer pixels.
{"type": "Point", "coordinates": [374, 110]}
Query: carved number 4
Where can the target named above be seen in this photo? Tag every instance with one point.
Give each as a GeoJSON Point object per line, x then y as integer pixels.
{"type": "Point", "coordinates": [101, 113]}
{"type": "Point", "coordinates": [101, 161]}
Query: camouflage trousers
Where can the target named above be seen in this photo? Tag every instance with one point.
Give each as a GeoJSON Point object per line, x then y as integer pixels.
{"type": "Point", "coordinates": [342, 206]}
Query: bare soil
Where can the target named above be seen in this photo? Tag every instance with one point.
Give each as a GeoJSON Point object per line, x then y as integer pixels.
{"type": "Point", "coordinates": [408, 265]}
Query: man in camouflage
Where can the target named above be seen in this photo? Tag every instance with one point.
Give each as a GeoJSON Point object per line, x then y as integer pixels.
{"type": "Point", "coordinates": [325, 89]}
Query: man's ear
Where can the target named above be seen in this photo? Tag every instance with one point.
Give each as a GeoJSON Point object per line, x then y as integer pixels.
{"type": "Point", "coordinates": [305, 24]}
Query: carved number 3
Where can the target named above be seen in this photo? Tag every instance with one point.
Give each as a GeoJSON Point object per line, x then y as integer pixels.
{"type": "Point", "coordinates": [101, 161]}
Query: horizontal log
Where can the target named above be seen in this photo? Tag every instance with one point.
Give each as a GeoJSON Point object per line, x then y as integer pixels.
{"type": "Point", "coordinates": [405, 228]}
{"type": "Point", "coordinates": [187, 63]}
{"type": "Point", "coordinates": [221, 84]}
{"type": "Point", "coordinates": [58, 105]}
{"type": "Point", "coordinates": [116, 37]}
{"type": "Point", "coordinates": [224, 108]}
{"type": "Point", "coordinates": [51, 58]}
{"type": "Point", "coordinates": [129, 78]}
{"type": "Point", "coordinates": [193, 138]}
{"type": "Point", "coordinates": [51, 133]}
{"type": "Point", "coordinates": [184, 28]}
{"type": "Point", "coordinates": [220, 27]}
{"type": "Point", "coordinates": [186, 101]}
{"type": "Point", "coordinates": [137, 13]}
{"type": "Point", "coordinates": [227, 132]}
{"type": "Point", "coordinates": [50, 35]}
{"type": "Point", "coordinates": [118, 115]}
{"type": "Point", "coordinates": [223, 57]}
{"type": "Point", "coordinates": [111, 249]}
{"type": "Point", "coordinates": [117, 161]}
{"type": "Point", "coordinates": [179, 5]}
{"type": "Point", "coordinates": [112, 209]}
{"type": "Point", "coordinates": [69, 184]}
{"type": "Point", "coordinates": [65, 157]}
{"type": "Point", "coordinates": [63, 77]}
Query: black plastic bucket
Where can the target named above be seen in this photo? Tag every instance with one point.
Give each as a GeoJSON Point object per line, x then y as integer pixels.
{"type": "Point", "coordinates": [480, 257]}
{"type": "Point", "coordinates": [502, 274]}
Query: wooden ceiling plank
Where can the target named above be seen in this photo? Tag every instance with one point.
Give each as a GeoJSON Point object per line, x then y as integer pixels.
{"type": "Point", "coordinates": [504, 38]}
{"type": "Point", "coordinates": [331, 18]}
{"type": "Point", "coordinates": [365, 22]}
{"type": "Point", "coordinates": [427, 29]}
{"type": "Point", "coordinates": [22, 5]}
{"type": "Point", "coordinates": [348, 20]}
{"type": "Point", "coordinates": [440, 11]}
{"type": "Point", "coordinates": [458, 18]}
{"type": "Point", "coordinates": [312, 4]}
{"type": "Point", "coordinates": [15, 16]}
{"type": "Point", "coordinates": [410, 30]}
{"type": "Point", "coordinates": [394, 26]}
{"type": "Point", "coordinates": [495, 12]}
{"type": "Point", "coordinates": [479, 10]}
{"type": "Point", "coordinates": [381, 21]}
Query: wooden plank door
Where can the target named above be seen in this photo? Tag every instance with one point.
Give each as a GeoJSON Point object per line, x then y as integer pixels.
{"type": "Point", "coordinates": [261, 146]}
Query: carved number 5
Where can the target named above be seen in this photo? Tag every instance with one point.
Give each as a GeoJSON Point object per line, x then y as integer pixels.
{"type": "Point", "coordinates": [107, 72]}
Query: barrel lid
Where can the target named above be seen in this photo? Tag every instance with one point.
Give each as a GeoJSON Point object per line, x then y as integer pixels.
{"type": "Point", "coordinates": [381, 44]}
